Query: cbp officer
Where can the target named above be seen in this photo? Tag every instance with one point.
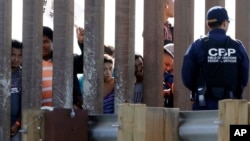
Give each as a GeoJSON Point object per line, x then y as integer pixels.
{"type": "Point", "coordinates": [215, 67]}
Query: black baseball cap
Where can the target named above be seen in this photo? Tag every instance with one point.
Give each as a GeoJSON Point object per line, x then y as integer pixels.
{"type": "Point", "coordinates": [217, 14]}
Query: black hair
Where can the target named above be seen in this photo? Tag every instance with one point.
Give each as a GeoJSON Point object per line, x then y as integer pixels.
{"type": "Point", "coordinates": [48, 32]}
{"type": "Point", "coordinates": [16, 44]}
{"type": "Point", "coordinates": [215, 24]}
{"type": "Point", "coordinates": [108, 59]}
{"type": "Point", "coordinates": [138, 56]}
{"type": "Point", "coordinates": [110, 50]}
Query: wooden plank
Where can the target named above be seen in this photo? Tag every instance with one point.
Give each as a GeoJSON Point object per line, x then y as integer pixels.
{"type": "Point", "coordinates": [32, 54]}
{"type": "Point", "coordinates": [33, 125]}
{"type": "Point", "coordinates": [155, 124]}
{"type": "Point", "coordinates": [124, 51]}
{"type": "Point", "coordinates": [162, 124]}
{"type": "Point", "coordinates": [242, 20]}
{"type": "Point", "coordinates": [132, 121]}
{"type": "Point", "coordinates": [63, 50]}
{"type": "Point", "coordinates": [182, 40]}
{"type": "Point", "coordinates": [93, 56]}
{"type": "Point", "coordinates": [153, 52]}
{"type": "Point", "coordinates": [231, 112]}
{"type": "Point", "coordinates": [5, 69]}
{"type": "Point", "coordinates": [171, 124]}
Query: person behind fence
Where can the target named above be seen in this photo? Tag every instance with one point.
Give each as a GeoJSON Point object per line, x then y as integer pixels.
{"type": "Point", "coordinates": [168, 77]}
{"type": "Point", "coordinates": [16, 89]}
{"type": "Point", "coordinates": [47, 70]}
{"type": "Point", "coordinates": [168, 27]}
{"type": "Point", "coordinates": [109, 85]}
{"type": "Point", "coordinates": [108, 49]}
{"type": "Point", "coordinates": [139, 78]}
{"type": "Point", "coordinates": [215, 67]}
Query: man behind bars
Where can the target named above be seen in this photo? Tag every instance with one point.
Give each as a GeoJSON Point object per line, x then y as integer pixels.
{"type": "Point", "coordinates": [16, 89]}
{"type": "Point", "coordinates": [48, 69]}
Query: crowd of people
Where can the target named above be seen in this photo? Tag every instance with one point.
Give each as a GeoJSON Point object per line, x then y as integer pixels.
{"type": "Point", "coordinates": [215, 67]}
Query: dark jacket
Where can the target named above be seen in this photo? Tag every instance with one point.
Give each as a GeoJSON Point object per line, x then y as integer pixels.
{"type": "Point", "coordinates": [196, 56]}
{"type": "Point", "coordinates": [78, 68]}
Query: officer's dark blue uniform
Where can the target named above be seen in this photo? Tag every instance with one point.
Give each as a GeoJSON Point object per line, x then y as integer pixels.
{"type": "Point", "coordinates": [216, 62]}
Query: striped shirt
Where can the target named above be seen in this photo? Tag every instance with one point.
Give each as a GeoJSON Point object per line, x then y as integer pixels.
{"type": "Point", "coordinates": [47, 83]}
{"type": "Point", "coordinates": [108, 103]}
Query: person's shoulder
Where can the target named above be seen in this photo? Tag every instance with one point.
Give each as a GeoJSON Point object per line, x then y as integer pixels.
{"type": "Point", "coordinates": [236, 42]}
{"type": "Point", "coordinates": [197, 42]}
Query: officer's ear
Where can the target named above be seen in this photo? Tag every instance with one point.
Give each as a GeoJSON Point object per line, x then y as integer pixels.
{"type": "Point", "coordinates": [225, 24]}
{"type": "Point", "coordinates": [208, 25]}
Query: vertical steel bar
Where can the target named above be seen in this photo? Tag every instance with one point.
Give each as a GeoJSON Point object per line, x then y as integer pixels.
{"type": "Point", "coordinates": [5, 70]}
{"type": "Point", "coordinates": [93, 56]}
{"type": "Point", "coordinates": [184, 36]}
{"type": "Point", "coordinates": [242, 20]}
{"type": "Point", "coordinates": [124, 50]}
{"type": "Point", "coordinates": [63, 53]}
{"type": "Point", "coordinates": [153, 52]}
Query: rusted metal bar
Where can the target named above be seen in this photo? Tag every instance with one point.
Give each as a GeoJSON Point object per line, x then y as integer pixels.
{"type": "Point", "coordinates": [124, 50]}
{"type": "Point", "coordinates": [242, 20]}
{"type": "Point", "coordinates": [63, 53]}
{"type": "Point", "coordinates": [93, 56]}
{"type": "Point", "coordinates": [153, 52]}
{"type": "Point", "coordinates": [32, 54]}
{"type": "Point", "coordinates": [5, 69]}
{"type": "Point", "coordinates": [183, 22]}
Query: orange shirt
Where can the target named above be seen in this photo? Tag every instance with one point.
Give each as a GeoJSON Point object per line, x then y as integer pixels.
{"type": "Point", "coordinates": [47, 74]}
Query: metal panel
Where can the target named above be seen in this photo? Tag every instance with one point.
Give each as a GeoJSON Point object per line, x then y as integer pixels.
{"type": "Point", "coordinates": [63, 53]}
{"type": "Point", "coordinates": [93, 56]}
{"type": "Point", "coordinates": [124, 50]}
{"type": "Point", "coordinates": [5, 69]}
{"type": "Point", "coordinates": [61, 125]}
{"type": "Point", "coordinates": [103, 128]}
{"type": "Point", "coordinates": [198, 126]}
{"type": "Point", "coordinates": [193, 126]}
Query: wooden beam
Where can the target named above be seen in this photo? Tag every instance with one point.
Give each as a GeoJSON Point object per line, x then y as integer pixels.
{"type": "Point", "coordinates": [231, 112]}
{"type": "Point", "coordinates": [33, 125]}
{"type": "Point", "coordinates": [132, 122]}
{"type": "Point", "coordinates": [32, 54]}
{"type": "Point", "coordinates": [162, 124]}
{"type": "Point", "coordinates": [5, 69]}
{"type": "Point", "coordinates": [93, 56]}
{"type": "Point", "coordinates": [124, 51]}
{"type": "Point", "coordinates": [63, 53]}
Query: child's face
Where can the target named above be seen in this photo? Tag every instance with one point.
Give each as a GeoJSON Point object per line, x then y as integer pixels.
{"type": "Point", "coordinates": [108, 69]}
{"type": "Point", "coordinates": [168, 63]}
